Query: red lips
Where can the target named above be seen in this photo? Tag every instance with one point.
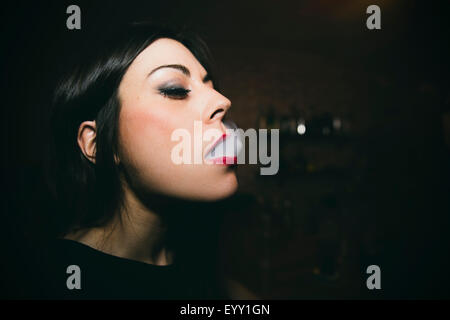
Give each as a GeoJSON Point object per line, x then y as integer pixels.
{"type": "Point", "coordinates": [225, 160]}
{"type": "Point", "coordinates": [216, 143]}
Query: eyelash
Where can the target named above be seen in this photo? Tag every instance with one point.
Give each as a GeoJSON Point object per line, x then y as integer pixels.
{"type": "Point", "coordinates": [175, 92]}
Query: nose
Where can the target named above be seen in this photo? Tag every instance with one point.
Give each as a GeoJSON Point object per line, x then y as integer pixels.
{"type": "Point", "coordinates": [216, 108]}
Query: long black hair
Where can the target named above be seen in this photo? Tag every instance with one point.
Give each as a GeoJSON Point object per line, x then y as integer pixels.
{"type": "Point", "coordinates": [88, 194]}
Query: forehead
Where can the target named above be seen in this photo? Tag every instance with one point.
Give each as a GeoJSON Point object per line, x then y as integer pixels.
{"type": "Point", "coordinates": [166, 51]}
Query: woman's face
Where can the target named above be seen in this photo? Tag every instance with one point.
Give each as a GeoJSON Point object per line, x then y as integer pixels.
{"type": "Point", "coordinates": [165, 89]}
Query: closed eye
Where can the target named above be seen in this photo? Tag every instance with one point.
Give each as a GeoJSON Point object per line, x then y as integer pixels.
{"type": "Point", "coordinates": [174, 92]}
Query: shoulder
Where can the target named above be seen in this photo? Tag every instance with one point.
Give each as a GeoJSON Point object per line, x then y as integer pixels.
{"type": "Point", "coordinates": [57, 265]}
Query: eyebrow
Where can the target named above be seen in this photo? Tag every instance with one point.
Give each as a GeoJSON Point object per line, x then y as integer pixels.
{"type": "Point", "coordinates": [181, 68]}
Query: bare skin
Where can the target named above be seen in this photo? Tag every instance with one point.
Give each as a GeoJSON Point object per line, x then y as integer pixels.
{"type": "Point", "coordinates": [149, 114]}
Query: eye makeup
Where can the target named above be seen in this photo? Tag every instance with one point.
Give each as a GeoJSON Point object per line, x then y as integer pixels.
{"type": "Point", "coordinates": [174, 91]}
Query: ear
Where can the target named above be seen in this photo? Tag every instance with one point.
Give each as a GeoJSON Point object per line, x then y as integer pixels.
{"type": "Point", "coordinates": [87, 133]}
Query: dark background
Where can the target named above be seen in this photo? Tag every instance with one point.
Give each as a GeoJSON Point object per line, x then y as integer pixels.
{"type": "Point", "coordinates": [368, 182]}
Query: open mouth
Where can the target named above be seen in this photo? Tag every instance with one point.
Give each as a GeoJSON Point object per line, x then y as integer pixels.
{"type": "Point", "coordinates": [225, 150]}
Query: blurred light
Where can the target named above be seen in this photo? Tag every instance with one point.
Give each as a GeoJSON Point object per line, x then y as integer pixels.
{"type": "Point", "coordinates": [301, 128]}
{"type": "Point", "coordinates": [326, 131]}
{"type": "Point", "coordinates": [337, 124]}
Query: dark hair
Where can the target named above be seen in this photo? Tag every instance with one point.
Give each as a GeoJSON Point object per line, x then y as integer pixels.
{"type": "Point", "coordinates": [88, 194]}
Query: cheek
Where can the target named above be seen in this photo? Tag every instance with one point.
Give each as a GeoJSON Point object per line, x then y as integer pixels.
{"type": "Point", "coordinates": [145, 150]}
{"type": "Point", "coordinates": [145, 135]}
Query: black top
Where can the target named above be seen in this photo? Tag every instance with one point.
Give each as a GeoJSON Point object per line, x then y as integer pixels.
{"type": "Point", "coordinates": [97, 275]}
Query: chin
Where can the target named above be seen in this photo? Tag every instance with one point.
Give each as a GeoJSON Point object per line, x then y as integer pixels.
{"type": "Point", "coordinates": [227, 187]}
{"type": "Point", "coordinates": [227, 192]}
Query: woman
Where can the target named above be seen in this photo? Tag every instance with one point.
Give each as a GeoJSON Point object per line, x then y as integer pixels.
{"type": "Point", "coordinates": [125, 209]}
